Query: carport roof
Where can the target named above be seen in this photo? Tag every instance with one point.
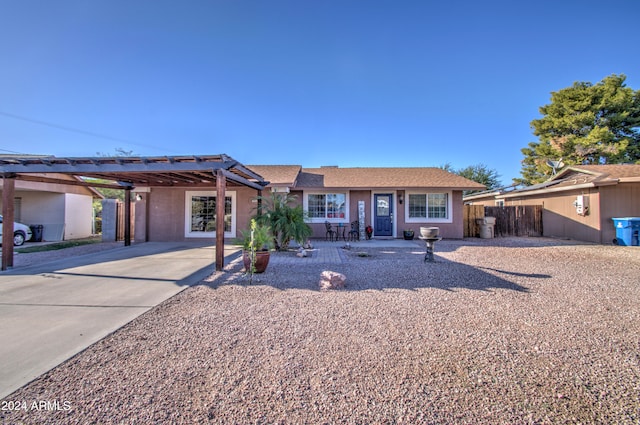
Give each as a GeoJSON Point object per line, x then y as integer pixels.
{"type": "Point", "coordinates": [193, 170]}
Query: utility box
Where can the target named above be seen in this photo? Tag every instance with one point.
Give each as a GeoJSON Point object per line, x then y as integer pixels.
{"type": "Point", "coordinates": [582, 204]}
{"type": "Point", "coordinates": [627, 231]}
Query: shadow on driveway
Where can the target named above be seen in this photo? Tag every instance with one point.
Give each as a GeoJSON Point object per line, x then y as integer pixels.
{"type": "Point", "coordinates": [51, 311]}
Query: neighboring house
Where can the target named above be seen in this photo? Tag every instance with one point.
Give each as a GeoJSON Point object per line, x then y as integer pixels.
{"type": "Point", "coordinates": [64, 210]}
{"type": "Point", "coordinates": [579, 202]}
{"type": "Point", "coordinates": [393, 199]}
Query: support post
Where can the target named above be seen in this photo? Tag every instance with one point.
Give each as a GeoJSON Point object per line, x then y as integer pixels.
{"type": "Point", "coordinates": [8, 214]}
{"type": "Point", "coordinates": [259, 203]}
{"type": "Point", "coordinates": [221, 186]}
{"type": "Point", "coordinates": [127, 216]}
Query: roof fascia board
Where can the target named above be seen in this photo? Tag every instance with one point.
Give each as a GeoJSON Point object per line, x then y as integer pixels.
{"type": "Point", "coordinates": [447, 188]}
{"type": "Point", "coordinates": [480, 196]}
{"type": "Point", "coordinates": [574, 168]}
{"type": "Point", "coordinates": [543, 191]}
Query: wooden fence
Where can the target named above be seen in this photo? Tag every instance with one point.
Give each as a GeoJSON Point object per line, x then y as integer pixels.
{"type": "Point", "coordinates": [522, 220]}
{"type": "Point", "coordinates": [471, 213]}
{"type": "Point", "coordinates": [120, 223]}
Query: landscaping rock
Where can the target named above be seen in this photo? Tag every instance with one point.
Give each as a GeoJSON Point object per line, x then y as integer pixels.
{"type": "Point", "coordinates": [331, 280]}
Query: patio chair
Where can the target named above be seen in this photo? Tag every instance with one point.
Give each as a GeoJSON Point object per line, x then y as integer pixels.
{"type": "Point", "coordinates": [354, 233]}
{"type": "Point", "coordinates": [331, 234]}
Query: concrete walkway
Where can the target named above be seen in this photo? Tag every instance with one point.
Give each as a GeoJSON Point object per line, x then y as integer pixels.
{"type": "Point", "coordinates": [50, 312]}
{"type": "Point", "coordinates": [324, 252]}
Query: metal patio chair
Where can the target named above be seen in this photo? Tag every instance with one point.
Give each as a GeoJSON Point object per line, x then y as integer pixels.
{"type": "Point", "coordinates": [354, 233]}
{"type": "Point", "coordinates": [331, 234]}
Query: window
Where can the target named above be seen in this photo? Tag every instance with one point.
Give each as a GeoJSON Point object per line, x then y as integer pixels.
{"type": "Point", "coordinates": [325, 206]}
{"type": "Point", "coordinates": [201, 214]}
{"type": "Point", "coordinates": [437, 205]}
{"type": "Point", "coordinates": [417, 206]}
{"type": "Point", "coordinates": [428, 207]}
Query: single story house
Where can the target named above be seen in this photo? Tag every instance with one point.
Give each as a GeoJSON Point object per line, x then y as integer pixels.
{"type": "Point", "coordinates": [578, 202]}
{"type": "Point", "coordinates": [389, 200]}
{"type": "Point", "coordinates": [394, 199]}
{"type": "Point", "coordinates": [176, 196]}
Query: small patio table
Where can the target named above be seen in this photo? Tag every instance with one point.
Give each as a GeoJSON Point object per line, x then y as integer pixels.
{"type": "Point", "coordinates": [341, 229]}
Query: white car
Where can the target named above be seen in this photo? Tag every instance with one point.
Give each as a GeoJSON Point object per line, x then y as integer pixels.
{"type": "Point", "coordinates": [21, 233]}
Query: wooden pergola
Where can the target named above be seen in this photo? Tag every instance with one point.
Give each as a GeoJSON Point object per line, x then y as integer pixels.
{"type": "Point", "coordinates": [126, 173]}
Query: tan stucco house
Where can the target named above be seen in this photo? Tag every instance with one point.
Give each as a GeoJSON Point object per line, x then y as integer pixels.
{"type": "Point", "coordinates": [579, 202]}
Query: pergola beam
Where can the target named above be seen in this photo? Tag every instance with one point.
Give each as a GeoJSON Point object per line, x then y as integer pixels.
{"type": "Point", "coordinates": [241, 180]}
{"type": "Point", "coordinates": [178, 171]}
{"type": "Point", "coordinates": [38, 179]}
{"type": "Point", "coordinates": [221, 187]}
{"type": "Point", "coordinates": [124, 167]}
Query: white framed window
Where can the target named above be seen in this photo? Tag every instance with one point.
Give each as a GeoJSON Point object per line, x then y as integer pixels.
{"type": "Point", "coordinates": [432, 207]}
{"type": "Point", "coordinates": [200, 214]}
{"type": "Point", "coordinates": [327, 206]}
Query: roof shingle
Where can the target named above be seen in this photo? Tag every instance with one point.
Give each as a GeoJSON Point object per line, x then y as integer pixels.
{"type": "Point", "coordinates": [610, 171]}
{"type": "Point", "coordinates": [372, 177]}
{"type": "Point", "coordinates": [277, 174]}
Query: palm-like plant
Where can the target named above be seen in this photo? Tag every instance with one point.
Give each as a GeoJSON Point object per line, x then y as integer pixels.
{"type": "Point", "coordinates": [285, 219]}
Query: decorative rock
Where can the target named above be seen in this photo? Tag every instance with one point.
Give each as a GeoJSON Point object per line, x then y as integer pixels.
{"type": "Point", "coordinates": [331, 280]}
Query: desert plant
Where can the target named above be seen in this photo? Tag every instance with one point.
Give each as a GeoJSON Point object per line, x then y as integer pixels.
{"type": "Point", "coordinates": [286, 220]}
{"type": "Point", "coordinates": [256, 239]}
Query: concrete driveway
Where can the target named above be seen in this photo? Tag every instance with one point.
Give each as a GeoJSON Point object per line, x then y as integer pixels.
{"type": "Point", "coordinates": [50, 312]}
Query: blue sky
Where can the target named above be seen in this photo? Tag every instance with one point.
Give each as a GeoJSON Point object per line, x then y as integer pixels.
{"type": "Point", "coordinates": [348, 83]}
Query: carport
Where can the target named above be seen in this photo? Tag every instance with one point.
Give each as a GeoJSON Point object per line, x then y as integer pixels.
{"type": "Point", "coordinates": [126, 173]}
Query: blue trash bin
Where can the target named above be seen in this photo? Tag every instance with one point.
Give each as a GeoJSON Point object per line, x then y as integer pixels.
{"type": "Point", "coordinates": [627, 231]}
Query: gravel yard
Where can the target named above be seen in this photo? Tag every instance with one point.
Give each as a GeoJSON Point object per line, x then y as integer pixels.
{"type": "Point", "coordinates": [509, 330]}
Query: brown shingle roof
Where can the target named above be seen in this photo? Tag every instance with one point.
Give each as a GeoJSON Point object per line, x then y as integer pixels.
{"type": "Point", "coordinates": [277, 174]}
{"type": "Point", "coordinates": [574, 176]}
{"type": "Point", "coordinates": [612, 171]}
{"type": "Point", "coordinates": [370, 177]}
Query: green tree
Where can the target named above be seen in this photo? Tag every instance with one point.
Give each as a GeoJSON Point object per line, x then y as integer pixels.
{"type": "Point", "coordinates": [585, 124]}
{"type": "Point", "coordinates": [479, 173]}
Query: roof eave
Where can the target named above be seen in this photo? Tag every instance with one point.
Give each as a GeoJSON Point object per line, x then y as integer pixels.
{"type": "Point", "coordinates": [524, 192]}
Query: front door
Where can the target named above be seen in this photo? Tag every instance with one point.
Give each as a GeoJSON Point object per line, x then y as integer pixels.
{"type": "Point", "coordinates": [383, 214]}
